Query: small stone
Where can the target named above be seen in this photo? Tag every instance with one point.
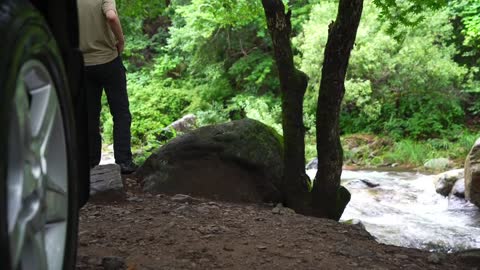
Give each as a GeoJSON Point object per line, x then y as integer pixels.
{"type": "Point", "coordinates": [203, 210]}
{"type": "Point", "coordinates": [181, 209]}
{"type": "Point", "coordinates": [261, 247]}
{"type": "Point", "coordinates": [208, 236]}
{"type": "Point", "coordinates": [134, 199]}
{"type": "Point", "coordinates": [213, 207]}
{"type": "Point", "coordinates": [204, 260]}
{"type": "Point", "coordinates": [113, 263]}
{"type": "Point", "coordinates": [227, 248]}
{"type": "Point", "coordinates": [276, 211]}
{"type": "Point", "coordinates": [181, 198]}
{"type": "Point", "coordinates": [433, 258]}
{"type": "Point", "coordinates": [288, 211]}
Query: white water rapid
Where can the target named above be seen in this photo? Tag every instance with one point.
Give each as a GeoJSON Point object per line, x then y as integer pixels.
{"type": "Point", "coordinates": [404, 210]}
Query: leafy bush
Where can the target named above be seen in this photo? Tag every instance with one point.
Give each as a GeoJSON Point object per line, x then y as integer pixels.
{"type": "Point", "coordinates": [265, 109]}
{"type": "Point", "coordinates": [153, 107]}
{"type": "Point", "coordinates": [255, 72]}
{"type": "Point", "coordinates": [407, 85]}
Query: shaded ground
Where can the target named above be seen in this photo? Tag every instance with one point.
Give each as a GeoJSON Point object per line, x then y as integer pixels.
{"type": "Point", "coordinates": [173, 232]}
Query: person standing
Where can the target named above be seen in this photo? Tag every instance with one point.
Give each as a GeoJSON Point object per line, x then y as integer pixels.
{"type": "Point", "coordinates": [102, 42]}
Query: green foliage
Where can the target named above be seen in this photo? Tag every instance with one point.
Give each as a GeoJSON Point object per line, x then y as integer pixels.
{"type": "Point", "coordinates": [466, 21]}
{"type": "Point", "coordinates": [416, 153]}
{"type": "Point", "coordinates": [403, 87]}
{"type": "Point", "coordinates": [153, 107]}
{"type": "Point", "coordinates": [265, 109]}
{"type": "Point", "coordinates": [140, 8]}
{"type": "Point", "coordinates": [133, 15]}
{"type": "Point", "coordinates": [360, 108]}
{"type": "Point", "coordinates": [408, 152]}
{"type": "Point", "coordinates": [468, 11]}
{"type": "Point", "coordinates": [213, 58]}
{"type": "Point", "coordinates": [406, 12]}
{"type": "Point", "coordinates": [214, 114]}
{"type": "Point", "coordinates": [254, 73]}
{"type": "Point", "coordinates": [197, 22]}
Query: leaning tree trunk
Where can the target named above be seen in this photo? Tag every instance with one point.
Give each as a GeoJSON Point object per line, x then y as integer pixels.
{"type": "Point", "coordinates": [328, 197]}
{"type": "Point", "coordinates": [293, 85]}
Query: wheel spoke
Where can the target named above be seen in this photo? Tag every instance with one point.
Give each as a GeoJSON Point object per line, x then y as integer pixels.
{"type": "Point", "coordinates": [17, 242]}
{"type": "Point", "coordinates": [21, 112]}
{"type": "Point", "coordinates": [19, 137]}
{"type": "Point", "coordinates": [56, 203]}
{"type": "Point", "coordinates": [42, 112]}
{"type": "Point", "coordinates": [55, 244]}
{"type": "Point", "coordinates": [35, 255]}
{"type": "Point", "coordinates": [31, 180]}
{"type": "Point", "coordinates": [54, 158]}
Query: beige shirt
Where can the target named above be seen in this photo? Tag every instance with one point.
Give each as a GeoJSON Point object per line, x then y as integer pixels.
{"type": "Point", "coordinates": [97, 41]}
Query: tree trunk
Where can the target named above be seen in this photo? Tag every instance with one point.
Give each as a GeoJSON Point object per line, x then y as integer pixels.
{"type": "Point", "coordinates": [328, 197]}
{"type": "Point", "coordinates": [293, 85]}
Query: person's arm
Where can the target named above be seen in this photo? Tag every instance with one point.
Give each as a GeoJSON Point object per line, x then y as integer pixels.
{"type": "Point", "coordinates": [114, 23]}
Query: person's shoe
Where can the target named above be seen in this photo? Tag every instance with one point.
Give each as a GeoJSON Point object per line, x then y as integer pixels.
{"type": "Point", "coordinates": [127, 167]}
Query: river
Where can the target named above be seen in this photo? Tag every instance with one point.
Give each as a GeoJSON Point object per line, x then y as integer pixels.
{"type": "Point", "coordinates": [404, 210]}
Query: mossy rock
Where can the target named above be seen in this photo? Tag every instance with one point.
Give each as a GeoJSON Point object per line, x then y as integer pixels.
{"type": "Point", "coordinates": [238, 161]}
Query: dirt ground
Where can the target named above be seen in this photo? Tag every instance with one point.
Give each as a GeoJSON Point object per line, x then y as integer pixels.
{"type": "Point", "coordinates": [180, 232]}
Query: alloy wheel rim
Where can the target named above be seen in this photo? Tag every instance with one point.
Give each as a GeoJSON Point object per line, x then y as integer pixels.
{"type": "Point", "coordinates": [37, 173]}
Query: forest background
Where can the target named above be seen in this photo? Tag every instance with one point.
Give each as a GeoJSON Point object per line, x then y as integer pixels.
{"type": "Point", "coordinates": [412, 89]}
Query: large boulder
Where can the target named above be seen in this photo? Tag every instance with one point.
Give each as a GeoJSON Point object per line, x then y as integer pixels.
{"type": "Point", "coordinates": [444, 182]}
{"type": "Point", "coordinates": [238, 161]}
{"type": "Point", "coordinates": [472, 174]}
{"type": "Point", "coordinates": [458, 190]}
{"type": "Point", "coordinates": [185, 124]}
{"type": "Point", "coordinates": [312, 165]}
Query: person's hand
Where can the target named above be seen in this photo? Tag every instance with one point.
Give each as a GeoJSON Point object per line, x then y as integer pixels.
{"type": "Point", "coordinates": [120, 46]}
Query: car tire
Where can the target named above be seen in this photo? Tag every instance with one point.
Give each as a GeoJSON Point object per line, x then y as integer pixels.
{"type": "Point", "coordinates": [38, 156]}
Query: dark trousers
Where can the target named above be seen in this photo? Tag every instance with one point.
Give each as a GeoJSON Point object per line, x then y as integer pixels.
{"type": "Point", "coordinates": [111, 77]}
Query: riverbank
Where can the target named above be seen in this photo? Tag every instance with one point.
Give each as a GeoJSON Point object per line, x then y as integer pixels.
{"type": "Point", "coordinates": [368, 151]}
{"type": "Point", "coordinates": [175, 232]}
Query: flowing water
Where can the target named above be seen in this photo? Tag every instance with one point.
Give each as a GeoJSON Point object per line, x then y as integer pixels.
{"type": "Point", "coordinates": [404, 210]}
